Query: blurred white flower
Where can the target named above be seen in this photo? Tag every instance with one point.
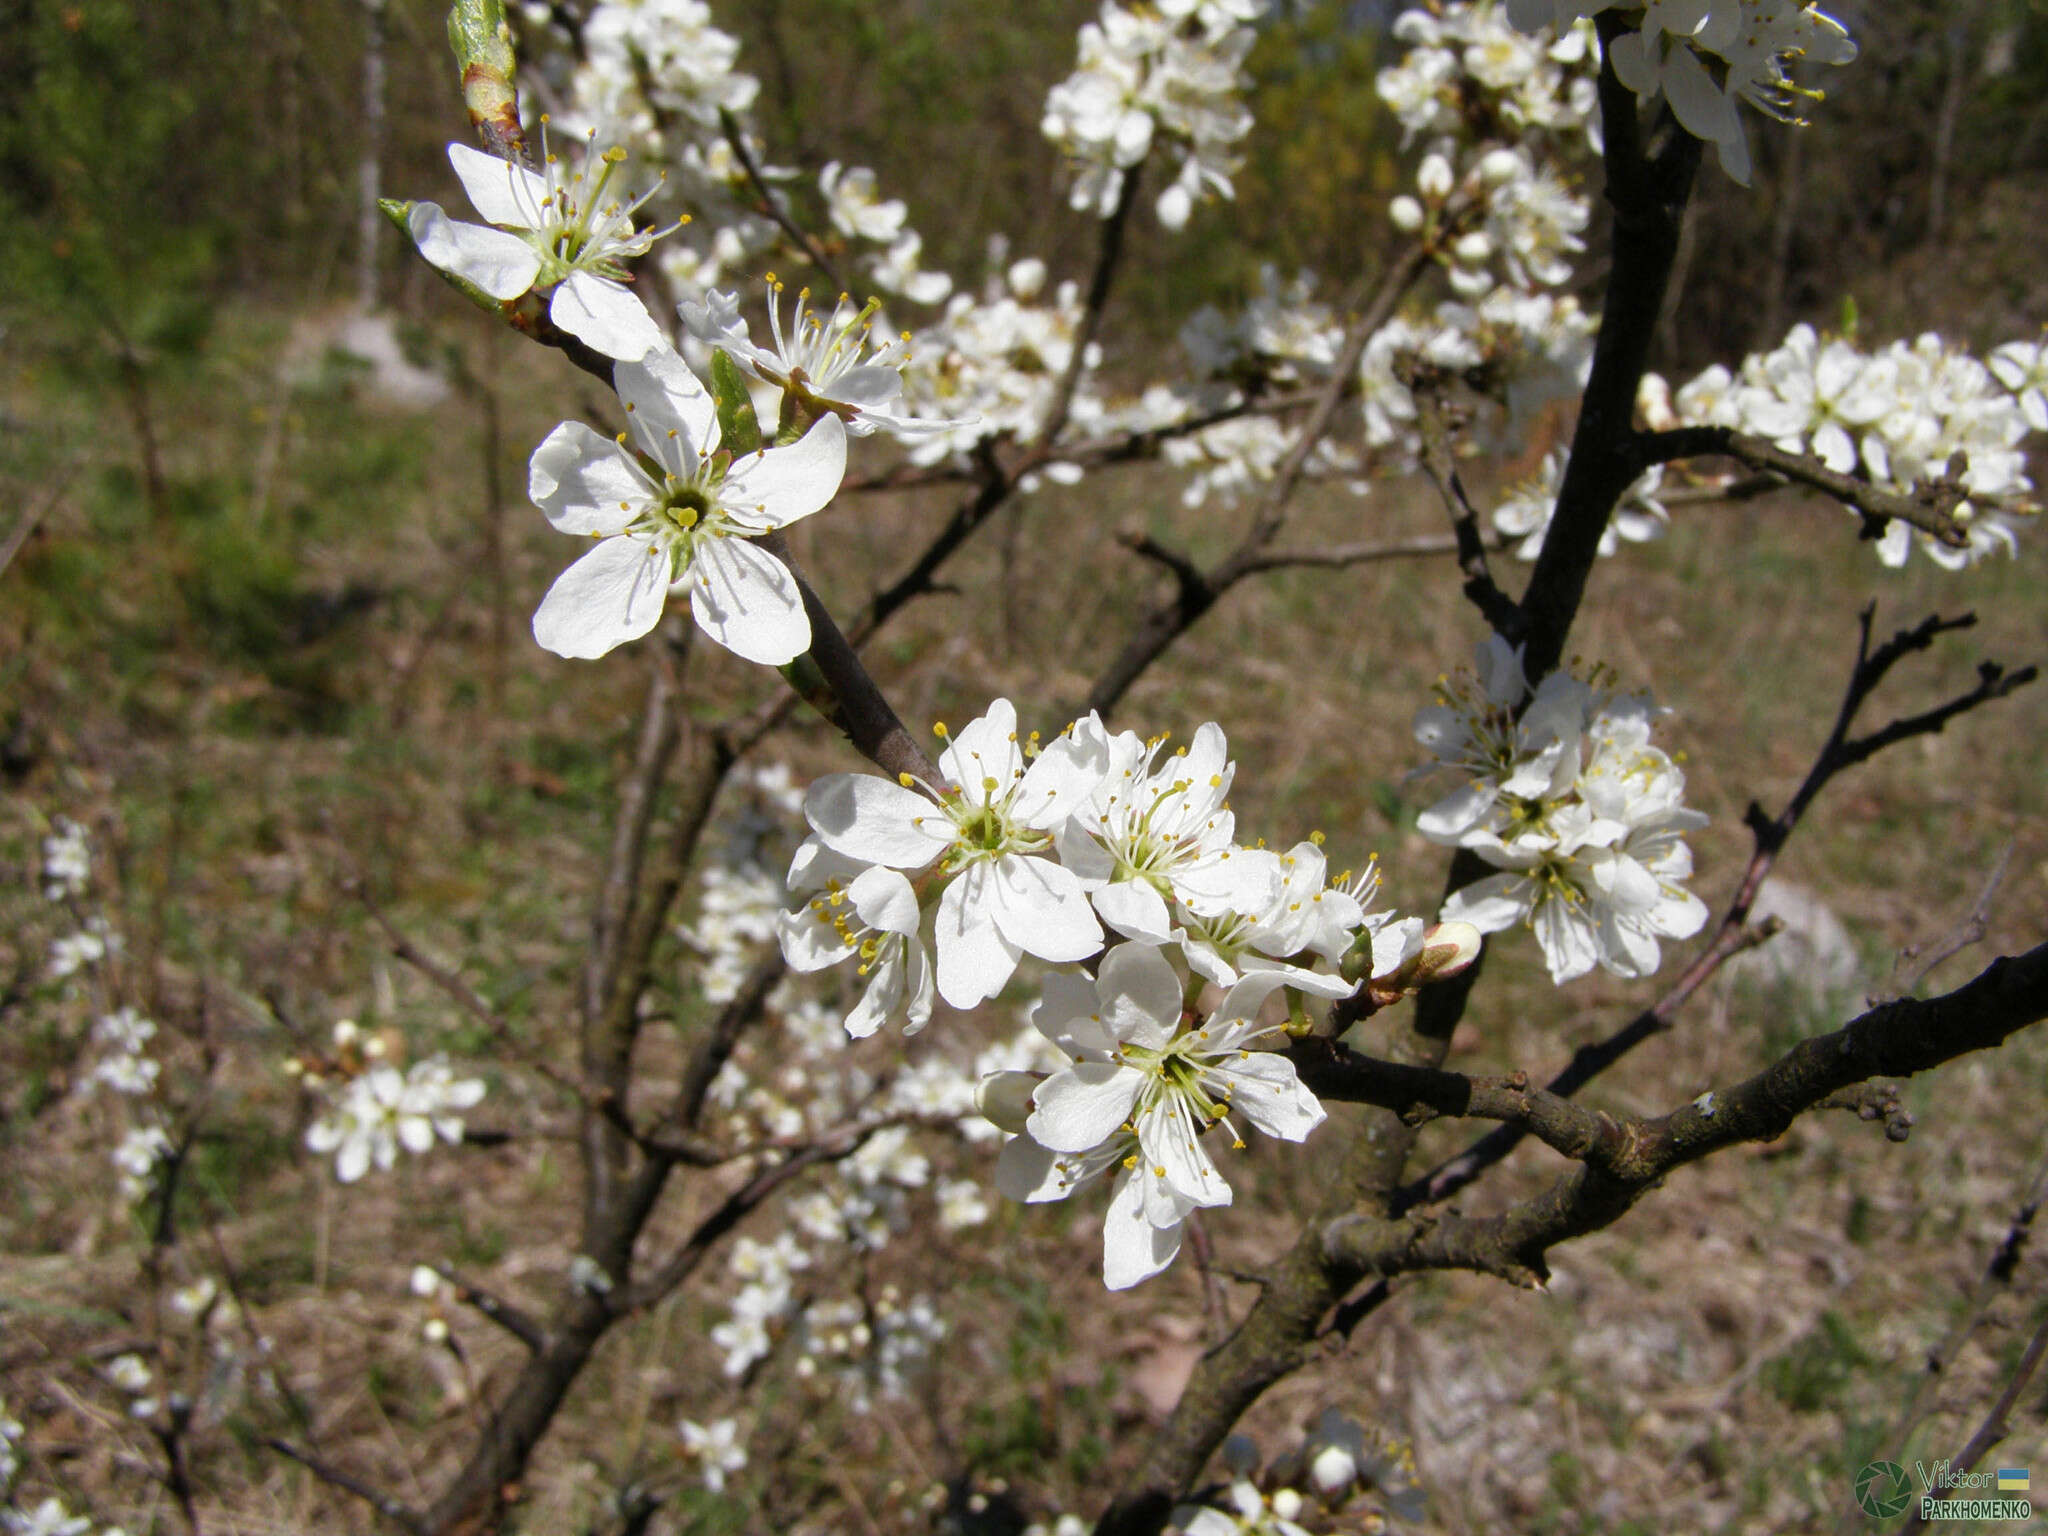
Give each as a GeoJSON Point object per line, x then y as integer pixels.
{"type": "Point", "coordinates": [372, 1116]}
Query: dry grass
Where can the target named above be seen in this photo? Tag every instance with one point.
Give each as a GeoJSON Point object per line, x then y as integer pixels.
{"type": "Point", "coordinates": [1723, 1360]}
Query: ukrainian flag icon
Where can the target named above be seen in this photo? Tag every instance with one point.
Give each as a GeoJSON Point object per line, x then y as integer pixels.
{"type": "Point", "coordinates": [2012, 1480]}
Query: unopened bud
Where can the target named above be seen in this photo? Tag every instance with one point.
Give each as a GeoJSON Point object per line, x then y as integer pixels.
{"type": "Point", "coordinates": [1333, 1468]}
{"type": "Point", "coordinates": [1498, 167]}
{"type": "Point", "coordinates": [1433, 178]}
{"type": "Point", "coordinates": [1446, 950]}
{"type": "Point", "coordinates": [1473, 248]}
{"type": "Point", "coordinates": [1004, 1099]}
{"type": "Point", "coordinates": [1406, 214]}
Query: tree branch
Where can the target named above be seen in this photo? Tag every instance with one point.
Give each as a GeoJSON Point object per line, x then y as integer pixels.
{"type": "Point", "coordinates": [1500, 611]}
{"type": "Point", "coordinates": [1168, 621]}
{"type": "Point", "coordinates": [1930, 507]}
{"type": "Point", "coordinates": [515, 1321]}
{"type": "Point", "coordinates": [1896, 1039]}
{"type": "Point", "coordinates": [399, 1514]}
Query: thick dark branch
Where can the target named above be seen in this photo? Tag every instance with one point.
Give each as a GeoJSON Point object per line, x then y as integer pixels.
{"type": "Point", "coordinates": [1897, 1039]}
{"type": "Point", "coordinates": [854, 705]}
{"type": "Point", "coordinates": [399, 1514]}
{"type": "Point", "coordinates": [1930, 508]}
{"type": "Point", "coordinates": [1648, 196]}
{"type": "Point", "coordinates": [1194, 585]}
{"type": "Point", "coordinates": [1419, 1094]}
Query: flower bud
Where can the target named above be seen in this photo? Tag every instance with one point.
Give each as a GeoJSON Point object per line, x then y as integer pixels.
{"type": "Point", "coordinates": [1433, 178]}
{"type": "Point", "coordinates": [1498, 167]}
{"type": "Point", "coordinates": [1406, 213]}
{"type": "Point", "coordinates": [1333, 1468]}
{"type": "Point", "coordinates": [1473, 248]}
{"type": "Point", "coordinates": [1286, 1503]}
{"type": "Point", "coordinates": [1446, 950]}
{"type": "Point", "coordinates": [1027, 277]}
{"type": "Point", "coordinates": [1004, 1099]}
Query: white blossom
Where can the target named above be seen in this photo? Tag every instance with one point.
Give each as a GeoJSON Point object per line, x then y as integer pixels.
{"type": "Point", "coordinates": [1144, 1083]}
{"type": "Point", "coordinates": [983, 829]}
{"type": "Point", "coordinates": [555, 230]}
{"type": "Point", "coordinates": [717, 1447]}
{"type": "Point", "coordinates": [677, 515]}
{"type": "Point", "coordinates": [375, 1114]}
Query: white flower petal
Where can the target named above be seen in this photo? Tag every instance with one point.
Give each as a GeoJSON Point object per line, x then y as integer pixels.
{"type": "Point", "coordinates": [1273, 1097]}
{"type": "Point", "coordinates": [1135, 910]}
{"type": "Point", "coordinates": [605, 315]}
{"type": "Point", "coordinates": [1081, 1107]}
{"type": "Point", "coordinates": [1140, 995]}
{"type": "Point", "coordinates": [1132, 1248]}
{"type": "Point", "coordinates": [975, 960]}
{"type": "Point", "coordinates": [870, 819]}
{"type": "Point", "coordinates": [747, 600]}
{"type": "Point", "coordinates": [615, 593]}
{"type": "Point", "coordinates": [673, 414]}
{"type": "Point", "coordinates": [775, 487]}
{"type": "Point", "coordinates": [586, 483]}
{"type": "Point", "coordinates": [1041, 908]}
{"type": "Point", "coordinates": [503, 193]}
{"type": "Point", "coordinates": [503, 266]}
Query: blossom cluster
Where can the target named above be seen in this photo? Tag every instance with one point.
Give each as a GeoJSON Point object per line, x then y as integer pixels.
{"type": "Point", "coordinates": [1706, 57]}
{"type": "Point", "coordinates": [1171, 72]}
{"type": "Point", "coordinates": [993, 361]}
{"type": "Point", "coordinates": [1563, 792]}
{"type": "Point", "coordinates": [1906, 415]}
{"type": "Point", "coordinates": [1028, 848]}
{"type": "Point", "coordinates": [370, 1109]}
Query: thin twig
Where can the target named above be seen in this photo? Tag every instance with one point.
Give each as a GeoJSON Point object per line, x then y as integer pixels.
{"type": "Point", "coordinates": [1997, 1424]}
{"type": "Point", "coordinates": [771, 203]}
{"type": "Point", "coordinates": [1995, 1281]}
{"type": "Point", "coordinates": [513, 1319]}
{"type": "Point", "coordinates": [1502, 614]}
{"type": "Point", "coordinates": [1975, 924]}
{"type": "Point", "coordinates": [1108, 252]}
{"type": "Point", "coordinates": [399, 1514]}
{"type": "Point", "coordinates": [26, 523]}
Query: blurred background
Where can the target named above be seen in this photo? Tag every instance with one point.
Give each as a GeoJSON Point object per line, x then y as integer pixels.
{"type": "Point", "coordinates": [263, 630]}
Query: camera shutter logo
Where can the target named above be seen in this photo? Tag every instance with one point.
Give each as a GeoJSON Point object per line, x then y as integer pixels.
{"type": "Point", "coordinates": [1882, 1490]}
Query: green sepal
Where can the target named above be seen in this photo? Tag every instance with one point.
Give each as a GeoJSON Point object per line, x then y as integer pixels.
{"type": "Point", "coordinates": [505, 309]}
{"type": "Point", "coordinates": [399, 211]}
{"type": "Point", "coordinates": [1849, 316]}
{"type": "Point", "coordinates": [738, 428]}
{"type": "Point", "coordinates": [809, 683]}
